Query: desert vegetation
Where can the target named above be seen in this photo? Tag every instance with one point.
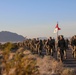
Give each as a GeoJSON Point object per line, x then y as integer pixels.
{"type": "Point", "coordinates": [24, 62]}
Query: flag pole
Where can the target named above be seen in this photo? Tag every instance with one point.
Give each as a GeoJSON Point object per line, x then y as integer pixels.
{"type": "Point", "coordinates": [57, 34]}
{"type": "Point", "coordinates": [57, 42]}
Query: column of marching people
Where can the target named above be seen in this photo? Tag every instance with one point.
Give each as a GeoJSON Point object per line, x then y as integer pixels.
{"type": "Point", "coordinates": [37, 46]}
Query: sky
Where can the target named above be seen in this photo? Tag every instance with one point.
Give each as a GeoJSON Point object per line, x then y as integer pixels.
{"type": "Point", "coordinates": [38, 18]}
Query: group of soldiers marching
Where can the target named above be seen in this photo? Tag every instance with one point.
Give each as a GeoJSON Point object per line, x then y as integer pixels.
{"type": "Point", "coordinates": [50, 46]}
{"type": "Point", "coordinates": [37, 46]}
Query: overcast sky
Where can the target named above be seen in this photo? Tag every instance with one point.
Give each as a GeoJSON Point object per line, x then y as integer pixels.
{"type": "Point", "coordinates": [38, 18]}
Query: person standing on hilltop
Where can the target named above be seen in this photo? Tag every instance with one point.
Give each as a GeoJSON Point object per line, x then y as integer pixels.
{"type": "Point", "coordinates": [67, 43]}
{"type": "Point", "coordinates": [37, 45]}
{"type": "Point", "coordinates": [40, 47]}
{"type": "Point", "coordinates": [61, 46]}
{"type": "Point", "coordinates": [74, 46]}
{"type": "Point", "coordinates": [51, 43]}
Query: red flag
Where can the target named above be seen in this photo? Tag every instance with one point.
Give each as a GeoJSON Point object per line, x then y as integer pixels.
{"type": "Point", "coordinates": [56, 28]}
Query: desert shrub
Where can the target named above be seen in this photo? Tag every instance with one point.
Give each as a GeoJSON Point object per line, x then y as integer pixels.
{"type": "Point", "coordinates": [68, 72]}
{"type": "Point", "coordinates": [19, 65]}
{"type": "Point", "coordinates": [5, 54]}
{"type": "Point", "coordinates": [25, 66]}
{"type": "Point", "coordinates": [49, 65]}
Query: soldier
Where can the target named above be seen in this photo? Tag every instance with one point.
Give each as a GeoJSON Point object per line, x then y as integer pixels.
{"type": "Point", "coordinates": [37, 44]}
{"type": "Point", "coordinates": [74, 47]}
{"type": "Point", "coordinates": [40, 47]}
{"type": "Point", "coordinates": [32, 45]}
{"type": "Point", "coordinates": [61, 46]}
{"type": "Point", "coordinates": [51, 43]}
{"type": "Point", "coordinates": [67, 43]}
{"type": "Point", "coordinates": [47, 47]}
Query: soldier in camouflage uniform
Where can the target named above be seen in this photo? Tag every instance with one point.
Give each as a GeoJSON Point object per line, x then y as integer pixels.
{"type": "Point", "coordinates": [61, 46]}
{"type": "Point", "coordinates": [40, 47]}
{"type": "Point", "coordinates": [74, 46]}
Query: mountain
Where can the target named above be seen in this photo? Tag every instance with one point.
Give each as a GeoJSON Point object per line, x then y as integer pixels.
{"type": "Point", "coordinates": [42, 38]}
{"type": "Point", "coordinates": [6, 36]}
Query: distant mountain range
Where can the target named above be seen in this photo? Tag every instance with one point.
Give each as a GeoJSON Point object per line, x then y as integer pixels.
{"type": "Point", "coordinates": [6, 36]}
{"type": "Point", "coordinates": [42, 38]}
